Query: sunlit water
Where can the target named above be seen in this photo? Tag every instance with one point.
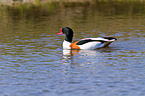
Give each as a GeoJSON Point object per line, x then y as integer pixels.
{"type": "Point", "coordinates": [33, 62]}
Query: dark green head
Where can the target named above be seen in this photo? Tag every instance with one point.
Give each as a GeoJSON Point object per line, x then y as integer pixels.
{"type": "Point", "coordinates": [68, 32]}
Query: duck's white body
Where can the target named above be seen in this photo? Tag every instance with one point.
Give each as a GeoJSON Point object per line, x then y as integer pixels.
{"type": "Point", "coordinates": [97, 43]}
{"type": "Point", "coordinates": [66, 45]}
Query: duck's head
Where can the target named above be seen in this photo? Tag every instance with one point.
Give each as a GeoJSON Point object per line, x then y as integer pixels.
{"type": "Point", "coordinates": [68, 32]}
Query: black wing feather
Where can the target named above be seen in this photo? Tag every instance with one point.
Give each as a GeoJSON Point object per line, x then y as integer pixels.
{"type": "Point", "coordinates": [109, 38]}
{"type": "Point", "coordinates": [89, 40]}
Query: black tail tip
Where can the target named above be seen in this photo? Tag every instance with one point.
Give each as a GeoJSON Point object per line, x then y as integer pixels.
{"type": "Point", "coordinates": [110, 38]}
{"type": "Point", "coordinates": [115, 38]}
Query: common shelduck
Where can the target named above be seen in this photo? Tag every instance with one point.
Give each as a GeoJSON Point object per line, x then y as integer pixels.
{"type": "Point", "coordinates": [86, 43]}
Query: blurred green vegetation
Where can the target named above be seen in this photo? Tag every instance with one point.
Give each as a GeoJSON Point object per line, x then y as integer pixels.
{"type": "Point", "coordinates": [38, 8]}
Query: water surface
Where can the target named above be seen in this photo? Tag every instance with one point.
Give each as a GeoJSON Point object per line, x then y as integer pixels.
{"type": "Point", "coordinates": [33, 62]}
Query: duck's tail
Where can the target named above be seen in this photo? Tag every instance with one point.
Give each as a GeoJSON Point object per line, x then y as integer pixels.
{"type": "Point", "coordinates": [109, 40]}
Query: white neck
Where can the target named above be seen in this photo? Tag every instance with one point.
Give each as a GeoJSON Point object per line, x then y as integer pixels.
{"type": "Point", "coordinates": [66, 45]}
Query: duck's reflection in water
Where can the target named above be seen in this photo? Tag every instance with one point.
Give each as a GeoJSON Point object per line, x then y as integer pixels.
{"type": "Point", "coordinates": [75, 57]}
{"type": "Point", "coordinates": [70, 52]}
{"type": "Point", "coordinates": [68, 56]}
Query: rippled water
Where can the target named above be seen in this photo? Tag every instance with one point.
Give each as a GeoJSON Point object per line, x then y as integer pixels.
{"type": "Point", "coordinates": [33, 62]}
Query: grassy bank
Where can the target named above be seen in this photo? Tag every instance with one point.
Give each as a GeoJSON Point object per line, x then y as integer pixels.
{"type": "Point", "coordinates": [37, 2]}
{"type": "Point", "coordinates": [36, 9]}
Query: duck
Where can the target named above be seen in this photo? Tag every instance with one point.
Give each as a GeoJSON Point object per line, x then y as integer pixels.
{"type": "Point", "coordinates": [86, 43]}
